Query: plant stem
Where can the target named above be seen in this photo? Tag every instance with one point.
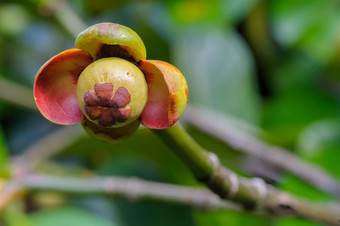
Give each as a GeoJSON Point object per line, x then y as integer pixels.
{"type": "Point", "coordinates": [16, 94]}
{"type": "Point", "coordinates": [132, 189]}
{"type": "Point", "coordinates": [68, 18]}
{"type": "Point", "coordinates": [218, 126]}
{"type": "Point", "coordinates": [189, 151]}
{"type": "Point", "coordinates": [249, 192]}
{"type": "Point", "coordinates": [31, 157]}
{"type": "Point", "coordinates": [46, 147]}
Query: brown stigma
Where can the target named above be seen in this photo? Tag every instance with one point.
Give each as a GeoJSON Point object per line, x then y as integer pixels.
{"type": "Point", "coordinates": [106, 106]}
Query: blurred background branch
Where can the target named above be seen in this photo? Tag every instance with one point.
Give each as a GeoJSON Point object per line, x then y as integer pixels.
{"type": "Point", "coordinates": [17, 94]}
{"type": "Point", "coordinates": [46, 147]}
{"type": "Point", "coordinates": [131, 189]}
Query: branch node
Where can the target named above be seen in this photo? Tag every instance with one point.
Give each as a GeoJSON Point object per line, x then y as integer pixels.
{"type": "Point", "coordinates": [214, 159]}
{"type": "Point", "coordinates": [260, 186]}
{"type": "Point", "coordinates": [234, 185]}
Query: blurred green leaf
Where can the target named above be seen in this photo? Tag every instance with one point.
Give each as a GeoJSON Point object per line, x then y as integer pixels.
{"type": "Point", "coordinates": [13, 19]}
{"type": "Point", "coordinates": [3, 149]}
{"type": "Point", "coordinates": [100, 6]}
{"type": "Point", "coordinates": [295, 72]}
{"type": "Point", "coordinates": [320, 142]}
{"type": "Point", "coordinates": [285, 115]}
{"type": "Point", "coordinates": [189, 12]}
{"type": "Point", "coordinates": [147, 213]}
{"type": "Point", "coordinates": [128, 166]}
{"type": "Point", "coordinates": [299, 187]}
{"type": "Point", "coordinates": [4, 171]}
{"type": "Point", "coordinates": [68, 216]}
{"type": "Point", "coordinates": [14, 215]}
{"type": "Point", "coordinates": [98, 204]}
{"type": "Point", "coordinates": [200, 11]}
{"type": "Point", "coordinates": [290, 221]}
{"type": "Point", "coordinates": [219, 69]}
{"type": "Point", "coordinates": [229, 218]}
{"type": "Point", "coordinates": [157, 47]}
{"type": "Point", "coordinates": [310, 25]}
{"type": "Point", "coordinates": [237, 10]}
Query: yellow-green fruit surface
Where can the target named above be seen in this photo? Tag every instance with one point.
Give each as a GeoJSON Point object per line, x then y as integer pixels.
{"type": "Point", "coordinates": [121, 73]}
{"type": "Point", "coordinates": [93, 38]}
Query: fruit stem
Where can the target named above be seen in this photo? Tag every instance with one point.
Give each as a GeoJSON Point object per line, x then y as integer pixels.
{"type": "Point", "coordinates": [193, 155]}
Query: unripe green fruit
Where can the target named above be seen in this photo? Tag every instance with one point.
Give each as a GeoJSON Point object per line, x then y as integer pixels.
{"type": "Point", "coordinates": [110, 36]}
{"type": "Point", "coordinates": [112, 92]}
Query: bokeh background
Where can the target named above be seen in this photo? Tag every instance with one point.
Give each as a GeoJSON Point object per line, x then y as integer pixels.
{"type": "Point", "coordinates": [272, 65]}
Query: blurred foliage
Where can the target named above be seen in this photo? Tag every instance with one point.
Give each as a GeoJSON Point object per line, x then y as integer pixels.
{"type": "Point", "coordinates": [272, 64]}
{"type": "Point", "coordinates": [68, 216]}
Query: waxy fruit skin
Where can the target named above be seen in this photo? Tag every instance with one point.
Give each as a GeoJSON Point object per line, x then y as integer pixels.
{"type": "Point", "coordinates": [120, 73]}
{"type": "Point", "coordinates": [108, 86]}
{"type": "Point", "coordinates": [93, 38]}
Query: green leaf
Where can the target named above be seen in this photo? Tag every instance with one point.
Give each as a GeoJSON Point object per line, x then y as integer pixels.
{"type": "Point", "coordinates": [68, 216]}
{"type": "Point", "coordinates": [100, 6]}
{"type": "Point", "coordinates": [291, 221]}
{"type": "Point", "coordinates": [3, 149]}
{"type": "Point", "coordinates": [237, 10]}
{"type": "Point", "coordinates": [319, 143]}
{"type": "Point", "coordinates": [219, 69]}
{"type": "Point", "coordinates": [286, 114]}
{"type": "Point", "coordinates": [14, 215]}
{"type": "Point", "coordinates": [309, 25]}
{"type": "Point", "coordinates": [3, 156]}
{"type": "Point", "coordinates": [14, 18]}
{"type": "Point", "coordinates": [201, 11]}
{"type": "Point", "coordinates": [221, 218]}
{"type": "Point", "coordinates": [209, 11]}
{"type": "Point", "coordinates": [146, 213]}
{"type": "Point", "coordinates": [295, 72]}
{"type": "Point", "coordinates": [298, 187]}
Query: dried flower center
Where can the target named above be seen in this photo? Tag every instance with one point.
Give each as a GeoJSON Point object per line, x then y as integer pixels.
{"type": "Point", "coordinates": [106, 106]}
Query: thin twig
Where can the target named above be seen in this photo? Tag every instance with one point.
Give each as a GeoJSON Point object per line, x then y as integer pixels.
{"type": "Point", "coordinates": [16, 94]}
{"type": "Point", "coordinates": [219, 127]}
{"type": "Point", "coordinates": [46, 147]}
{"type": "Point", "coordinates": [43, 149]}
{"type": "Point", "coordinates": [132, 189]}
{"type": "Point", "coordinates": [252, 193]}
{"type": "Point", "coordinates": [68, 18]}
{"type": "Point", "coordinates": [11, 191]}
